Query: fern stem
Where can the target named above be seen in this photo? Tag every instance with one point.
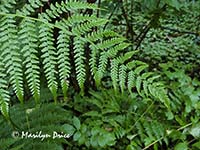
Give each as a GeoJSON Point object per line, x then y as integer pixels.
{"type": "Point", "coordinates": [37, 19]}
{"type": "Point", "coordinates": [45, 22]}
{"type": "Point", "coordinates": [140, 117]}
{"type": "Point", "coordinates": [181, 128]}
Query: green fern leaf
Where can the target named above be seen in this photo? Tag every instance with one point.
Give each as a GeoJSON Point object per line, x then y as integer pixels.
{"type": "Point", "coordinates": [139, 69]}
{"type": "Point", "coordinates": [10, 54]}
{"type": "Point", "coordinates": [149, 132]}
{"type": "Point", "coordinates": [49, 56]}
{"type": "Point", "coordinates": [94, 36]}
{"type": "Point", "coordinates": [125, 57]}
{"type": "Point", "coordinates": [79, 62]}
{"type": "Point", "coordinates": [103, 61]}
{"type": "Point", "coordinates": [93, 59]}
{"type": "Point", "coordinates": [114, 73]}
{"type": "Point", "coordinates": [30, 7]}
{"type": "Point", "coordinates": [63, 60]}
{"type": "Point", "coordinates": [112, 52]}
{"type": "Point", "coordinates": [138, 85]}
{"type": "Point", "coordinates": [74, 5]}
{"type": "Point", "coordinates": [4, 94]}
{"type": "Point", "coordinates": [131, 65]}
{"type": "Point", "coordinates": [145, 87]}
{"type": "Point", "coordinates": [78, 18]}
{"type": "Point", "coordinates": [131, 81]}
{"type": "Point", "coordinates": [150, 80]}
{"type": "Point", "coordinates": [57, 9]}
{"type": "Point", "coordinates": [109, 43]}
{"type": "Point", "coordinates": [144, 76]}
{"type": "Point", "coordinates": [122, 77]}
{"type": "Point", "coordinates": [83, 28]}
{"type": "Point", "coordinates": [6, 5]}
{"type": "Point", "coordinates": [29, 40]}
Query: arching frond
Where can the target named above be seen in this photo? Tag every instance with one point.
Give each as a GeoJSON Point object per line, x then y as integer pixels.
{"type": "Point", "coordinates": [63, 60]}
{"type": "Point", "coordinates": [11, 54]}
{"type": "Point", "coordinates": [29, 39]}
{"type": "Point", "coordinates": [4, 94]}
{"type": "Point", "coordinates": [79, 61]}
{"type": "Point", "coordinates": [49, 57]}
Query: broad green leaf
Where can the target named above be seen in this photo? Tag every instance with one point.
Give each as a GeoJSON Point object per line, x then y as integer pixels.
{"type": "Point", "coordinates": [101, 141]}
{"type": "Point", "coordinates": [69, 129]}
{"type": "Point", "coordinates": [94, 140]}
{"type": "Point", "coordinates": [76, 123]}
{"type": "Point", "coordinates": [195, 131]}
{"type": "Point", "coordinates": [173, 3]}
{"type": "Point", "coordinates": [76, 136]}
{"type": "Point", "coordinates": [95, 130]}
{"type": "Point", "coordinates": [106, 139]}
{"type": "Point", "coordinates": [92, 114]}
{"type": "Point", "coordinates": [196, 145]}
{"type": "Point", "coordinates": [181, 146]}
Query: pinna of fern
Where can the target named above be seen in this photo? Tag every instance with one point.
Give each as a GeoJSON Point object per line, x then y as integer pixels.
{"type": "Point", "coordinates": [4, 94]}
{"type": "Point", "coordinates": [28, 38]}
{"type": "Point", "coordinates": [11, 55]}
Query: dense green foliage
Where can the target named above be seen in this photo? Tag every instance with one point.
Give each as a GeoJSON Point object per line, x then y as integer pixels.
{"type": "Point", "coordinates": [110, 74]}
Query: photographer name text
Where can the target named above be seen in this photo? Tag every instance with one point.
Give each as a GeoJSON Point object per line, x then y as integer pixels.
{"type": "Point", "coordinates": [39, 135]}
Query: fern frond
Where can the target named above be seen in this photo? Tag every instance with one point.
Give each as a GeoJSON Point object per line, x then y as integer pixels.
{"type": "Point", "coordinates": [49, 56]}
{"type": "Point", "coordinates": [28, 37]}
{"type": "Point", "coordinates": [131, 81]}
{"type": "Point", "coordinates": [104, 55]}
{"type": "Point", "coordinates": [124, 57]}
{"type": "Point", "coordinates": [108, 51]}
{"type": "Point", "coordinates": [139, 69]}
{"type": "Point", "coordinates": [63, 60]}
{"type": "Point", "coordinates": [147, 86]}
{"type": "Point", "coordinates": [79, 61]}
{"type": "Point", "coordinates": [138, 85]}
{"type": "Point", "coordinates": [6, 5]}
{"type": "Point", "coordinates": [122, 77]}
{"type": "Point", "coordinates": [105, 49]}
{"type": "Point", "coordinates": [114, 73]}
{"type": "Point", "coordinates": [80, 24]}
{"type": "Point", "coordinates": [112, 52]}
{"type": "Point", "coordinates": [93, 59]}
{"type": "Point", "coordinates": [86, 27]}
{"type": "Point", "coordinates": [150, 131]}
{"type": "Point", "coordinates": [131, 65]}
{"type": "Point", "coordinates": [158, 90]}
{"type": "Point", "coordinates": [103, 61]}
{"type": "Point", "coordinates": [57, 9]}
{"type": "Point", "coordinates": [74, 5]}
{"type": "Point", "coordinates": [109, 43]}
{"type": "Point", "coordinates": [4, 94]}
{"type": "Point", "coordinates": [114, 69]}
{"type": "Point", "coordinates": [140, 129]}
{"type": "Point", "coordinates": [100, 34]}
{"type": "Point", "coordinates": [76, 19]}
{"type": "Point", "coordinates": [10, 54]}
{"type": "Point", "coordinates": [30, 7]}
{"type": "Point", "coordinates": [141, 79]}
